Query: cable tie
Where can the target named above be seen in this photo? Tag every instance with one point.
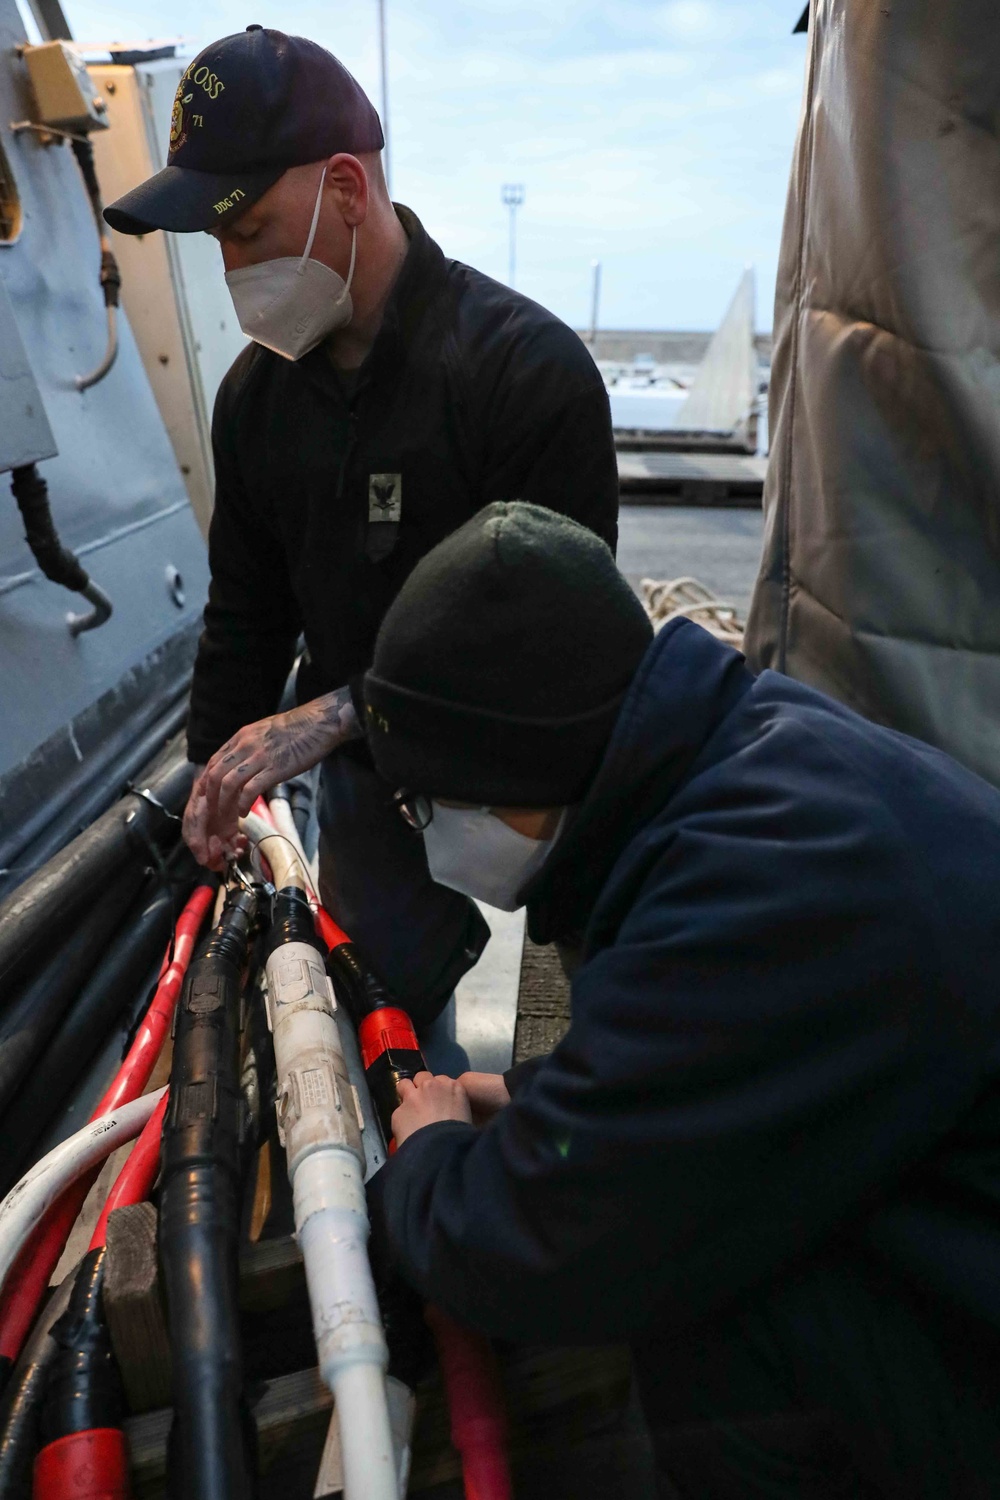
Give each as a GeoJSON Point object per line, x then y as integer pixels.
{"type": "Point", "coordinates": [147, 796]}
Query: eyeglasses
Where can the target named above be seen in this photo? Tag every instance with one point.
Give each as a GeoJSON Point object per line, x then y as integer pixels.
{"type": "Point", "coordinates": [415, 809]}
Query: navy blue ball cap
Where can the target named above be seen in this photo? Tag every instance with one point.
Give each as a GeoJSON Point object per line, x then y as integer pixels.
{"type": "Point", "coordinates": [247, 108]}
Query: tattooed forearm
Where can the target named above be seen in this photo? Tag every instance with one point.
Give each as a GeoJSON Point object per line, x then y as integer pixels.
{"type": "Point", "coordinates": [307, 734]}
{"type": "Point", "coordinates": [259, 756]}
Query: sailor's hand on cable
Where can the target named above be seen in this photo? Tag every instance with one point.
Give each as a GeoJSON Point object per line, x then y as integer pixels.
{"type": "Point", "coordinates": [266, 752]}
{"type": "Point", "coordinates": [427, 1100]}
{"type": "Point", "coordinates": [207, 848]}
{"type": "Point", "coordinates": [487, 1095]}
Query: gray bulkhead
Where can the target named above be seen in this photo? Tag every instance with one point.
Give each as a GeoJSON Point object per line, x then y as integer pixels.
{"type": "Point", "coordinates": [117, 496]}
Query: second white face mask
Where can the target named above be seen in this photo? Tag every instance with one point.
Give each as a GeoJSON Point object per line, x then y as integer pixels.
{"type": "Point", "coordinates": [473, 852]}
{"type": "Point", "coordinates": [291, 304]}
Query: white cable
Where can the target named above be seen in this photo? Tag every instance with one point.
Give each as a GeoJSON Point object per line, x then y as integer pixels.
{"type": "Point", "coordinates": [319, 1128]}
{"type": "Point", "coordinates": [279, 851]}
{"type": "Point", "coordinates": [281, 812]}
{"type": "Point", "coordinates": [29, 1199]}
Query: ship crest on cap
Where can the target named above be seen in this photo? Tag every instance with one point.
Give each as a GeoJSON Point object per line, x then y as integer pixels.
{"type": "Point", "coordinates": [178, 133]}
{"type": "Point", "coordinates": [197, 78]}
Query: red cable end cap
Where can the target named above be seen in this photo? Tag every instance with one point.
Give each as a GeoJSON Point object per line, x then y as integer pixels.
{"type": "Point", "coordinates": [84, 1466]}
{"type": "Point", "coordinates": [384, 1028]}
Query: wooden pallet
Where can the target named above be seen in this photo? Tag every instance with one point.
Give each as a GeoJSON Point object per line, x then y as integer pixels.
{"type": "Point", "coordinates": [556, 1398]}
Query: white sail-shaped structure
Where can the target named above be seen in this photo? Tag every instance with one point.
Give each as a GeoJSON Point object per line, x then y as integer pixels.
{"type": "Point", "coordinates": [722, 402]}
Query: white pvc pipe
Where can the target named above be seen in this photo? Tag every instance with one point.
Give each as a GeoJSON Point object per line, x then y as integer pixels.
{"type": "Point", "coordinates": [319, 1128]}
{"type": "Point", "coordinates": [29, 1199]}
{"type": "Point", "coordinates": [331, 1222]}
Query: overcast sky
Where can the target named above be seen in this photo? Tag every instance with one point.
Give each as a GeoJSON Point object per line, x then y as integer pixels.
{"type": "Point", "coordinates": [652, 135]}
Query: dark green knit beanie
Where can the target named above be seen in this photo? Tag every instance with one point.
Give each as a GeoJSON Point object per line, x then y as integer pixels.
{"type": "Point", "coordinates": [501, 666]}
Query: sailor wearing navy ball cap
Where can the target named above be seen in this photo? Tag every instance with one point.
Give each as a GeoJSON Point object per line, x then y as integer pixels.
{"type": "Point", "coordinates": [387, 395]}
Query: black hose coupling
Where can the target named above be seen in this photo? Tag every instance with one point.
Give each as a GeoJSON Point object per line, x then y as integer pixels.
{"type": "Point", "coordinates": [84, 1387]}
{"type": "Point", "coordinates": [111, 277]}
{"type": "Point", "coordinates": [292, 919]}
{"type": "Point", "coordinates": [356, 986]}
{"type": "Point", "coordinates": [229, 939]}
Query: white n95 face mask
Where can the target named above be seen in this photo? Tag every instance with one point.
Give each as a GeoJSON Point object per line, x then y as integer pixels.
{"type": "Point", "coordinates": [290, 304]}
{"type": "Point", "coordinates": [470, 850]}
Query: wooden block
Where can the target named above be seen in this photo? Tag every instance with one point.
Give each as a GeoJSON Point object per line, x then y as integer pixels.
{"type": "Point", "coordinates": [271, 1272]}
{"type": "Point", "coordinates": [274, 1308]}
{"type": "Point", "coordinates": [134, 1308]}
{"type": "Point", "coordinates": [292, 1414]}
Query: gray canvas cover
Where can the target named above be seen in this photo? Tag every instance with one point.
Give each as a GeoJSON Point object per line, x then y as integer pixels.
{"type": "Point", "coordinates": [880, 580]}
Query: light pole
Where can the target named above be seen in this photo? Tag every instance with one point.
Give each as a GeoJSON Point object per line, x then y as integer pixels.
{"type": "Point", "coordinates": [595, 299]}
{"type": "Point", "coordinates": [385, 92]}
{"type": "Point", "coordinates": [512, 196]}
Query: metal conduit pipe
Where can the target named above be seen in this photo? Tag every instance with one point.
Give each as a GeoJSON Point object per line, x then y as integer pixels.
{"type": "Point", "coordinates": [30, 1020]}
{"type": "Point", "coordinates": [110, 989]}
{"type": "Point", "coordinates": [213, 1440]}
{"type": "Point", "coordinates": [110, 275]}
{"type": "Point", "coordinates": [56, 894]}
{"type": "Point", "coordinates": [20, 1408]}
{"type": "Point", "coordinates": [319, 1128]}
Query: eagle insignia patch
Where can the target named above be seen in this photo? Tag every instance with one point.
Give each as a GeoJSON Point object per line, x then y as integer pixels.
{"type": "Point", "coordinates": [385, 497]}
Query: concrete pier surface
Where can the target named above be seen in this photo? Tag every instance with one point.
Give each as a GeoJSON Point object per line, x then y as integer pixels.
{"type": "Point", "coordinates": [719, 547]}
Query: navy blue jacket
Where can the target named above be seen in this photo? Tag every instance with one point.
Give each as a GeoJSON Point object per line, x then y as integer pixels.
{"type": "Point", "coordinates": [777, 1105]}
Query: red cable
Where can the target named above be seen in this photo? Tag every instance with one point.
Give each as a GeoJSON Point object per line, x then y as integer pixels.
{"type": "Point", "coordinates": [31, 1272]}
{"type": "Point", "coordinates": [332, 935]}
{"type": "Point", "coordinates": [134, 1182]}
{"type": "Point", "coordinates": [93, 1465]}
{"type": "Point", "coordinates": [89, 1465]}
{"type": "Point", "coordinates": [136, 1071]}
{"type": "Point", "coordinates": [475, 1407]}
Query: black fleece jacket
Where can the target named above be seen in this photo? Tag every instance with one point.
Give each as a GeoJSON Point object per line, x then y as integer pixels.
{"type": "Point", "coordinates": [324, 504]}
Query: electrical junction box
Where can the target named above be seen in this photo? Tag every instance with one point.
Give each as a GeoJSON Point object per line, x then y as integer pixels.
{"type": "Point", "coordinates": [173, 287]}
{"type": "Point", "coordinates": [65, 97]}
{"type": "Point", "coordinates": [25, 434]}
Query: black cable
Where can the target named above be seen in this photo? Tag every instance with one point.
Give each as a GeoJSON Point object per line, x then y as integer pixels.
{"type": "Point", "coordinates": [84, 1446]}
{"type": "Point", "coordinates": [84, 1388]}
{"type": "Point", "coordinates": [212, 1450]}
{"type": "Point", "coordinates": [53, 897]}
{"type": "Point", "coordinates": [111, 279]}
{"type": "Point", "coordinates": [99, 780]}
{"type": "Point", "coordinates": [57, 562]}
{"type": "Point", "coordinates": [29, 1022]}
{"type": "Point", "coordinates": [105, 996]}
{"type": "Point", "coordinates": [20, 1408]}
